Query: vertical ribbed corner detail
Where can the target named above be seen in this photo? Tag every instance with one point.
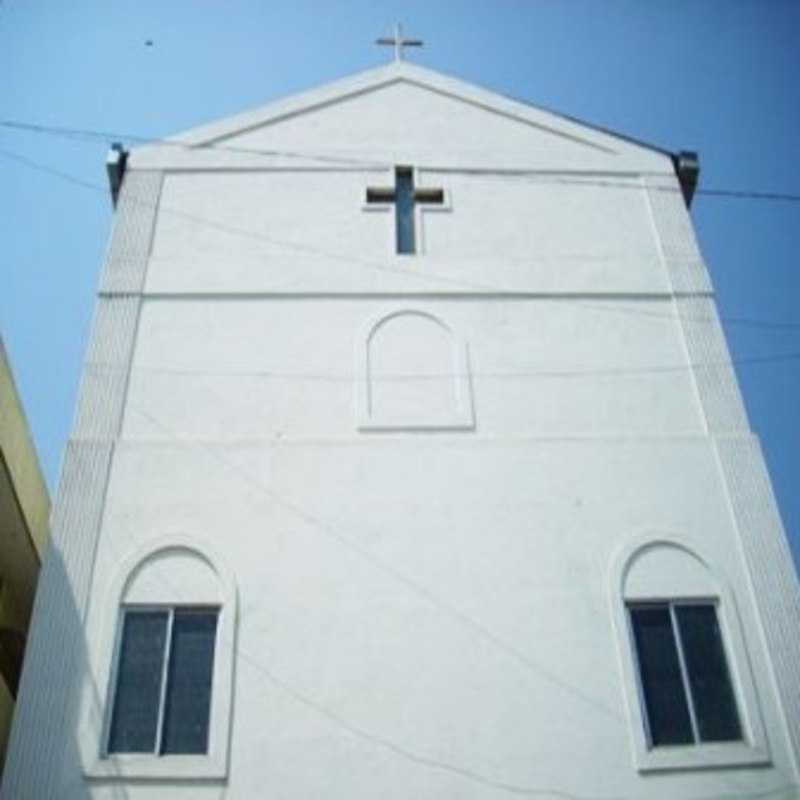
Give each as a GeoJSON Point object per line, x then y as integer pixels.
{"type": "Point", "coordinates": [706, 347]}
{"type": "Point", "coordinates": [714, 374]}
{"type": "Point", "coordinates": [43, 738]}
{"type": "Point", "coordinates": [105, 373]}
{"type": "Point", "coordinates": [681, 254]}
{"type": "Point", "coordinates": [134, 226]}
{"type": "Point", "coordinates": [44, 725]}
{"type": "Point", "coordinates": [770, 564]}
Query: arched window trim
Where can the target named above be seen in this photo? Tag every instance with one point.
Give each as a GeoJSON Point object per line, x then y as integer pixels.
{"type": "Point", "coordinates": [462, 416]}
{"type": "Point", "coordinates": [754, 748]}
{"type": "Point", "coordinates": [98, 697]}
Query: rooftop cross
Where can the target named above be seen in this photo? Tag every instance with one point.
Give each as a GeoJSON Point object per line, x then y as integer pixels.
{"type": "Point", "coordinates": [398, 42]}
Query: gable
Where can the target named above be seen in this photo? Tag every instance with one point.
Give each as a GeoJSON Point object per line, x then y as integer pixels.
{"type": "Point", "coordinates": [402, 113]}
{"type": "Point", "coordinates": [405, 122]}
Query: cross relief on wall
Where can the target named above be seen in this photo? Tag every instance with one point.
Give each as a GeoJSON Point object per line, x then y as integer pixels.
{"type": "Point", "coordinates": [407, 201]}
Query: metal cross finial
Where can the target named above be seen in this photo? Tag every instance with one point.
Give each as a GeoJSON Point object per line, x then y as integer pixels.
{"type": "Point", "coordinates": [398, 42]}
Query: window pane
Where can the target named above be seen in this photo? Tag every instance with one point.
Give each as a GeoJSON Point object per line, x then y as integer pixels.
{"type": "Point", "coordinates": [188, 699]}
{"type": "Point", "coordinates": [660, 673]}
{"type": "Point", "coordinates": [709, 679]}
{"type": "Point", "coordinates": [405, 211]}
{"type": "Point", "coordinates": [138, 690]}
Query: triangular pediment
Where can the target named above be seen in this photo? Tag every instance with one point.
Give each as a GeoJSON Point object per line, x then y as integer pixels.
{"type": "Point", "coordinates": [403, 113]}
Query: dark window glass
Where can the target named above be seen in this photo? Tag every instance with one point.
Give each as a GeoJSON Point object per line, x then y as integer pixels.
{"type": "Point", "coordinates": [404, 197]}
{"type": "Point", "coordinates": [138, 690]}
{"type": "Point", "coordinates": [188, 697]}
{"type": "Point", "coordinates": [660, 672]}
{"type": "Point", "coordinates": [709, 679]}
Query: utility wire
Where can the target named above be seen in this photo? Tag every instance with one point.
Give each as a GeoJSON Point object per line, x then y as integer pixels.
{"type": "Point", "coordinates": [381, 741]}
{"type": "Point", "coordinates": [48, 170]}
{"type": "Point", "coordinates": [353, 729]}
{"type": "Point", "coordinates": [430, 598]}
{"type": "Point", "coordinates": [379, 266]}
{"type": "Point", "coordinates": [535, 177]}
{"type": "Point", "coordinates": [333, 377]}
{"type": "Point", "coordinates": [106, 136]}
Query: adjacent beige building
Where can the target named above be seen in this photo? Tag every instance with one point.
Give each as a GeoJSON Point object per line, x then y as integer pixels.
{"type": "Point", "coordinates": [24, 511]}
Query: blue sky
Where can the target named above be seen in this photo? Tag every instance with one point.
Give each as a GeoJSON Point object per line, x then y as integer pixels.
{"type": "Point", "coordinates": [718, 76]}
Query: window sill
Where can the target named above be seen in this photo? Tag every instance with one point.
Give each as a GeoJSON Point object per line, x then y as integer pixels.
{"type": "Point", "coordinates": [702, 756]}
{"type": "Point", "coordinates": [144, 766]}
{"type": "Point", "coordinates": [463, 422]}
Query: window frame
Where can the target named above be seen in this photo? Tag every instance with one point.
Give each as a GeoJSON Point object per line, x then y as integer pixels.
{"type": "Point", "coordinates": [104, 636]}
{"type": "Point", "coordinates": [671, 604]}
{"type": "Point", "coordinates": [753, 748]}
{"type": "Point", "coordinates": [170, 609]}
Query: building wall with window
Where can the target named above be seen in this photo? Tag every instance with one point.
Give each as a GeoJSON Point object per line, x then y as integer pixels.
{"type": "Point", "coordinates": [24, 512]}
{"type": "Point", "coordinates": [410, 462]}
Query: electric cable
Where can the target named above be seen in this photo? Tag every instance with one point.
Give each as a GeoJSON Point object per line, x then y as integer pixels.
{"type": "Point", "coordinates": [379, 266]}
{"type": "Point", "coordinates": [381, 741]}
{"type": "Point", "coordinates": [107, 136]}
{"type": "Point", "coordinates": [355, 730]}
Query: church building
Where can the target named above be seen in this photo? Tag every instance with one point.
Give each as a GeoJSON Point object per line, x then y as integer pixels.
{"type": "Point", "coordinates": [409, 462]}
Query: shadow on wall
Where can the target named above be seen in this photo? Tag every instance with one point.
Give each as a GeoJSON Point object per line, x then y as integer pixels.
{"type": "Point", "coordinates": [44, 754]}
{"type": "Point", "coordinates": [45, 751]}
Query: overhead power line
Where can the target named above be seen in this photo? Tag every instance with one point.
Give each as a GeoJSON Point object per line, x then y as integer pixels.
{"type": "Point", "coordinates": [108, 136]}
{"type": "Point", "coordinates": [303, 514]}
{"type": "Point", "coordinates": [342, 377]}
{"type": "Point", "coordinates": [360, 261]}
{"type": "Point", "coordinates": [379, 740]}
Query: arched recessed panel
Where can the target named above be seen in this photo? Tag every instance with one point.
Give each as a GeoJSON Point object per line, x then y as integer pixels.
{"type": "Point", "coordinates": [667, 570]}
{"type": "Point", "coordinates": [413, 371]}
{"type": "Point", "coordinates": [175, 575]}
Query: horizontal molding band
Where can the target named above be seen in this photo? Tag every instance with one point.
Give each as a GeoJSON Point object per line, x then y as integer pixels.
{"type": "Point", "coordinates": [449, 294]}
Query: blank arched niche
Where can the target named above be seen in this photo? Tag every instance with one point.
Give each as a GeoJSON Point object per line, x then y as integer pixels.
{"type": "Point", "coordinates": [668, 570]}
{"type": "Point", "coordinates": [174, 576]}
{"type": "Point", "coordinates": [663, 570]}
{"type": "Point", "coordinates": [413, 374]}
{"type": "Point", "coordinates": [174, 572]}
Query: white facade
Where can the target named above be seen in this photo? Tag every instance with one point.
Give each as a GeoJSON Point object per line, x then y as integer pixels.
{"type": "Point", "coordinates": [420, 488]}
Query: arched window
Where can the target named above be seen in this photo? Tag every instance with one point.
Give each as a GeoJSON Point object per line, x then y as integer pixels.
{"type": "Point", "coordinates": [413, 374]}
{"type": "Point", "coordinates": [169, 648]}
{"type": "Point", "coordinates": [691, 697]}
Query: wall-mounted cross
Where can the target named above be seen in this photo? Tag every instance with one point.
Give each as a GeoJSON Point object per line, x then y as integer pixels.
{"type": "Point", "coordinates": [404, 196]}
{"type": "Point", "coordinates": [398, 42]}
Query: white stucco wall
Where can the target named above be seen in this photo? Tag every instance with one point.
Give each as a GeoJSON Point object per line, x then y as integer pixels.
{"type": "Point", "coordinates": [428, 607]}
{"type": "Point", "coordinates": [236, 369]}
{"type": "Point", "coordinates": [309, 231]}
{"type": "Point", "coordinates": [455, 606]}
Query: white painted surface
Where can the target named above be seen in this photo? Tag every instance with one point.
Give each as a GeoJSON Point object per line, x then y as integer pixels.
{"type": "Point", "coordinates": [234, 369]}
{"type": "Point", "coordinates": [451, 604]}
{"type": "Point", "coordinates": [657, 567]}
{"type": "Point", "coordinates": [307, 232]}
{"type": "Point", "coordinates": [661, 571]}
{"type": "Point", "coordinates": [172, 577]}
{"type": "Point", "coordinates": [400, 113]}
{"type": "Point", "coordinates": [428, 613]}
